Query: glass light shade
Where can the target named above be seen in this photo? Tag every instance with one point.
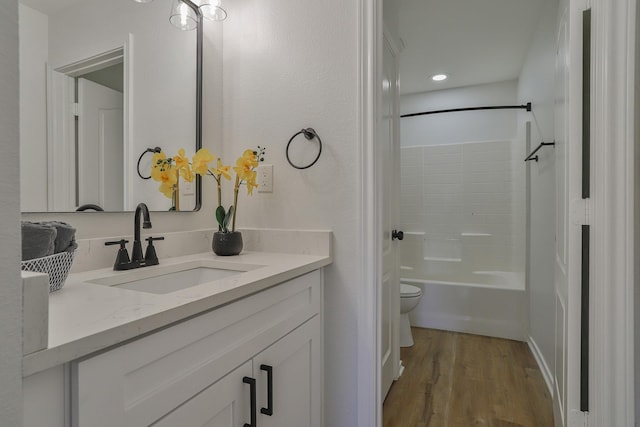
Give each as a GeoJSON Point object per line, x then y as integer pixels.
{"type": "Point", "coordinates": [212, 10]}
{"type": "Point", "coordinates": [182, 16]}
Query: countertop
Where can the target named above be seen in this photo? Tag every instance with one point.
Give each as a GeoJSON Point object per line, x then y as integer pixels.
{"type": "Point", "coordinates": [86, 317]}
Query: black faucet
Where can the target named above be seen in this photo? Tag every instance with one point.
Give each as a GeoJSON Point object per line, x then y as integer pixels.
{"type": "Point", "coordinates": [137, 260]}
{"type": "Point", "coordinates": [136, 253]}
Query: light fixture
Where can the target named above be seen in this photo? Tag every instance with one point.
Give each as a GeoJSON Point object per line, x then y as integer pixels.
{"type": "Point", "coordinates": [439, 77]}
{"type": "Point", "coordinates": [186, 13]}
{"type": "Point", "coordinates": [183, 16]}
{"type": "Point", "coordinates": [212, 10]}
{"type": "Point", "coordinates": [143, 1]}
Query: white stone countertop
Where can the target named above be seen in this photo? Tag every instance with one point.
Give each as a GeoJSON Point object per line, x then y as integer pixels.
{"type": "Point", "coordinates": [87, 317]}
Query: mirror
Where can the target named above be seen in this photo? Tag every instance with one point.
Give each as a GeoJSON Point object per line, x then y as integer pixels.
{"type": "Point", "coordinates": [102, 83]}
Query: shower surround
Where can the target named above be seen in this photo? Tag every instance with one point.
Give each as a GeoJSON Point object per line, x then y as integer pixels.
{"type": "Point", "coordinates": [463, 213]}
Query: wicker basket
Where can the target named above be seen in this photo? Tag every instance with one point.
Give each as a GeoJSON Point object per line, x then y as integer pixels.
{"type": "Point", "coordinates": [57, 266]}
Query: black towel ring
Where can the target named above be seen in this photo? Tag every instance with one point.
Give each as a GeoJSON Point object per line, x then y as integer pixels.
{"type": "Point", "coordinates": [148, 150]}
{"type": "Point", "coordinates": [308, 133]}
{"type": "Point", "coordinates": [89, 206]}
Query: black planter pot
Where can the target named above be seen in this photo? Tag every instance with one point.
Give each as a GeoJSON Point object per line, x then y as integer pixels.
{"type": "Point", "coordinates": [226, 244]}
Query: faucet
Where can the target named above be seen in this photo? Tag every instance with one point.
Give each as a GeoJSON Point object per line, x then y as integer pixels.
{"type": "Point", "coordinates": [136, 254]}
{"type": "Point", "coordinates": [137, 260]}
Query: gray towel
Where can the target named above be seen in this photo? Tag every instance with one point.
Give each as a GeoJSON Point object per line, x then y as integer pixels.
{"type": "Point", "coordinates": [66, 237]}
{"type": "Point", "coordinates": [38, 240]}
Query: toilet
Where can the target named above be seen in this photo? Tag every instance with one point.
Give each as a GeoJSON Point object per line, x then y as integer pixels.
{"type": "Point", "coordinates": [409, 297]}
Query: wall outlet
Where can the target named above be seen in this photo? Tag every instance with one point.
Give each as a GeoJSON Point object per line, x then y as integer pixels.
{"type": "Point", "coordinates": [265, 178]}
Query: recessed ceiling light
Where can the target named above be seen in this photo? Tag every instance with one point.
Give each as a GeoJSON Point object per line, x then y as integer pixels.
{"type": "Point", "coordinates": [439, 77]}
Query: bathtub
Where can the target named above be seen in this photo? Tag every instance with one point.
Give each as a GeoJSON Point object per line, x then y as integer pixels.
{"type": "Point", "coordinates": [491, 303]}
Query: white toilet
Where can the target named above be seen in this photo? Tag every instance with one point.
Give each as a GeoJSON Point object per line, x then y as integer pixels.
{"type": "Point", "coordinates": [409, 297]}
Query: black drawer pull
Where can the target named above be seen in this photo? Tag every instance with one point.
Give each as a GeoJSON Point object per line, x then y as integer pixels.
{"type": "Point", "coordinates": [252, 386]}
{"type": "Point", "coordinates": [269, 409]}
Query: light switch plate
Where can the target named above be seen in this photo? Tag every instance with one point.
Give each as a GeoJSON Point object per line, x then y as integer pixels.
{"type": "Point", "coordinates": [265, 178]}
{"type": "Point", "coordinates": [187, 188]}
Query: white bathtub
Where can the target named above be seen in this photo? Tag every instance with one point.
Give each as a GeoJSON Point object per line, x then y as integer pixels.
{"type": "Point", "coordinates": [493, 304]}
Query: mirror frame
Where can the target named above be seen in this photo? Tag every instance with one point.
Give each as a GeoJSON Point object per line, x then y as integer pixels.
{"type": "Point", "coordinates": [199, 38]}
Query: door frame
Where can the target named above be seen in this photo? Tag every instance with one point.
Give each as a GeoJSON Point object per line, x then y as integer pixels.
{"type": "Point", "coordinates": [611, 370]}
{"type": "Point", "coordinates": [61, 132]}
{"type": "Point", "coordinates": [370, 30]}
{"type": "Point", "coordinates": [611, 213]}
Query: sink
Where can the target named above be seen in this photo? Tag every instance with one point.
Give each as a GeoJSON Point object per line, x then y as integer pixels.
{"type": "Point", "coordinates": [172, 278]}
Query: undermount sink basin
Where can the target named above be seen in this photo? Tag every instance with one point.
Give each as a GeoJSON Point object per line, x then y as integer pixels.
{"type": "Point", "coordinates": [172, 278]}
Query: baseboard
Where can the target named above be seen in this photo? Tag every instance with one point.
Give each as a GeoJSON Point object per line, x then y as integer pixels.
{"type": "Point", "coordinates": [470, 325]}
{"type": "Point", "coordinates": [542, 364]}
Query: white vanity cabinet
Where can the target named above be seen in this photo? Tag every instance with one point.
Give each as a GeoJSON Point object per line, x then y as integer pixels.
{"type": "Point", "coordinates": [214, 369]}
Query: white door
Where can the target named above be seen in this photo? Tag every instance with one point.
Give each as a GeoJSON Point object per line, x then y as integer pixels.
{"type": "Point", "coordinates": [561, 268]}
{"type": "Point", "coordinates": [570, 214]}
{"type": "Point", "coordinates": [292, 366]}
{"type": "Point", "coordinates": [100, 146]}
{"type": "Point", "coordinates": [388, 155]}
{"type": "Point", "coordinates": [226, 403]}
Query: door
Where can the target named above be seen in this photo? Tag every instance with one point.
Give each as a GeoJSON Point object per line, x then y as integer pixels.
{"type": "Point", "coordinates": [223, 404]}
{"type": "Point", "coordinates": [388, 155]}
{"type": "Point", "coordinates": [289, 378]}
{"type": "Point", "coordinates": [100, 146]}
{"type": "Point", "coordinates": [572, 89]}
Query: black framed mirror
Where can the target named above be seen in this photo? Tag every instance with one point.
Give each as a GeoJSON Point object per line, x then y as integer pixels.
{"type": "Point", "coordinates": [102, 82]}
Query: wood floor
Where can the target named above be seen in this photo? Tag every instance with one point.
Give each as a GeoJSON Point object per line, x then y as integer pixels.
{"type": "Point", "coordinates": [461, 380]}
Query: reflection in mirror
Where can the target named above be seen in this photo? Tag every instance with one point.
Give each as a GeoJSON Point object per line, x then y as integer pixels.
{"type": "Point", "coordinates": [100, 83]}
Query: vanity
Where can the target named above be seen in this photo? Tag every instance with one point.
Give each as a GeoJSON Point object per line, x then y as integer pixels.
{"type": "Point", "coordinates": [221, 341]}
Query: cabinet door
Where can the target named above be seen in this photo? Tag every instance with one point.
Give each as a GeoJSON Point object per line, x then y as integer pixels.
{"type": "Point", "coordinates": [296, 378]}
{"type": "Point", "coordinates": [223, 404]}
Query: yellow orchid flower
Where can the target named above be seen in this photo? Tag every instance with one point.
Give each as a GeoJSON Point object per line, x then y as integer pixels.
{"type": "Point", "coordinates": [182, 164]}
{"type": "Point", "coordinates": [245, 165]}
{"type": "Point", "coordinates": [167, 189]}
{"type": "Point", "coordinates": [201, 160]}
{"type": "Point", "coordinates": [168, 175]}
{"type": "Point", "coordinates": [157, 157]}
{"type": "Point", "coordinates": [251, 183]}
{"type": "Point", "coordinates": [222, 170]}
{"type": "Point", "coordinates": [159, 166]}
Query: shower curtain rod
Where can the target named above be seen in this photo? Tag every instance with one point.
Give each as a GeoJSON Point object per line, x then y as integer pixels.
{"type": "Point", "coordinates": [526, 106]}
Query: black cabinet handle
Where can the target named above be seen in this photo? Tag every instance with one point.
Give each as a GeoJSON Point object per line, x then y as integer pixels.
{"type": "Point", "coordinates": [395, 234]}
{"type": "Point", "coordinates": [252, 386]}
{"type": "Point", "coordinates": [269, 409]}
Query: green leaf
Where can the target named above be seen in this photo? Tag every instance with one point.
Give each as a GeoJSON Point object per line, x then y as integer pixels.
{"type": "Point", "coordinates": [220, 216]}
{"type": "Point", "coordinates": [227, 218]}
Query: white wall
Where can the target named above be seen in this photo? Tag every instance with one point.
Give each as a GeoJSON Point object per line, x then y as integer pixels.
{"type": "Point", "coordinates": [10, 284]}
{"type": "Point", "coordinates": [458, 127]}
{"type": "Point", "coordinates": [34, 52]}
{"type": "Point", "coordinates": [536, 84]}
{"type": "Point", "coordinates": [291, 64]}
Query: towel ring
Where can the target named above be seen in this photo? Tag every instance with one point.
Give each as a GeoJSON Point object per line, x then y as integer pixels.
{"type": "Point", "coordinates": [310, 134]}
{"type": "Point", "coordinates": [148, 150]}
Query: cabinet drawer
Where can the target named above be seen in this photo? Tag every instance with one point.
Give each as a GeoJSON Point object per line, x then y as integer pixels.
{"type": "Point", "coordinates": [138, 383]}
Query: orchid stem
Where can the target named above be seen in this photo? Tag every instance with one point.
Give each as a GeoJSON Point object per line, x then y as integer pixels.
{"type": "Point", "coordinates": [235, 203]}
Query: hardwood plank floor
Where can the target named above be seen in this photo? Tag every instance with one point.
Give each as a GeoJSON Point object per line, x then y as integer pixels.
{"type": "Point", "coordinates": [461, 380]}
